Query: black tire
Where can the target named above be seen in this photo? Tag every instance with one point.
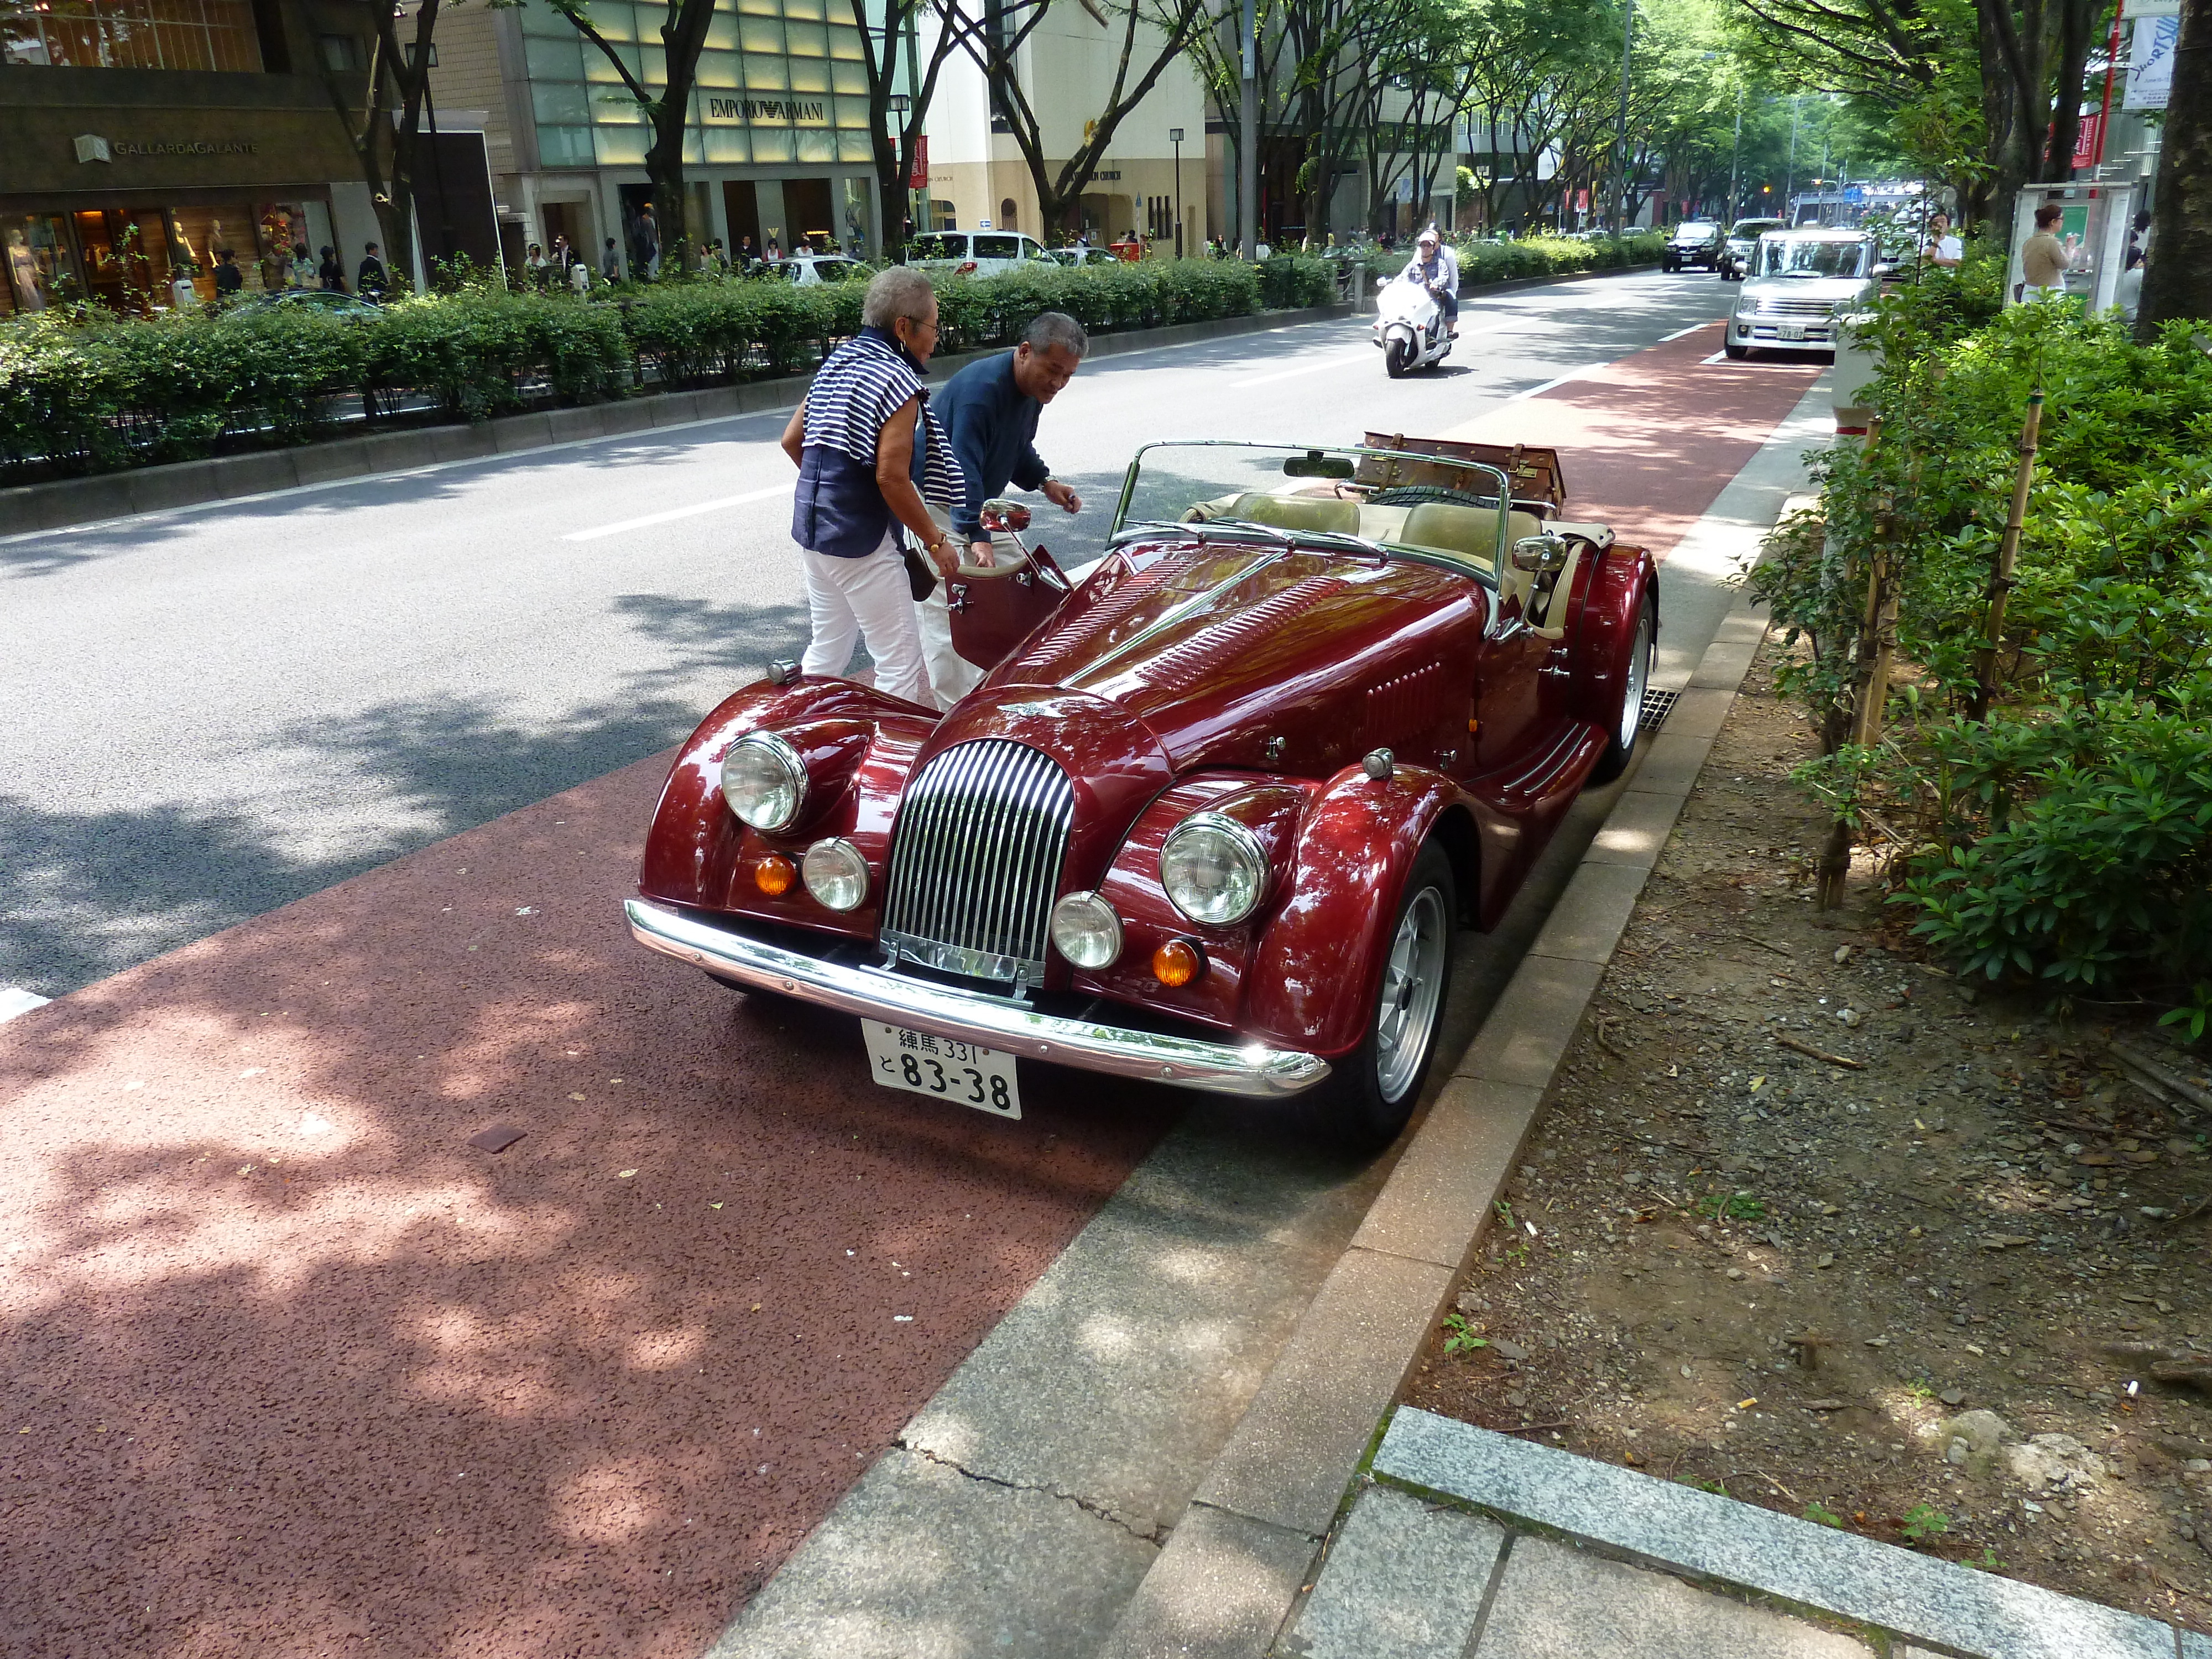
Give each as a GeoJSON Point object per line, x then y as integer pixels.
{"type": "Point", "coordinates": [766, 1002]}
{"type": "Point", "coordinates": [1628, 719]}
{"type": "Point", "coordinates": [1738, 352]}
{"type": "Point", "coordinates": [1365, 1100]}
{"type": "Point", "coordinates": [1397, 358]}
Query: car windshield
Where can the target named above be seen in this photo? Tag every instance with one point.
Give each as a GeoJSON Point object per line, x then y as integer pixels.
{"type": "Point", "coordinates": [1695, 230]}
{"type": "Point", "coordinates": [1791, 256]}
{"type": "Point", "coordinates": [1362, 501]}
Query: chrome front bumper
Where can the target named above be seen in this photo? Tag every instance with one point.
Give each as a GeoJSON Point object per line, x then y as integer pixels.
{"type": "Point", "coordinates": [990, 1022]}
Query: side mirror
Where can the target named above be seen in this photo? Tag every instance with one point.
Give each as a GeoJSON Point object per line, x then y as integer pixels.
{"type": "Point", "coordinates": [1000, 516]}
{"type": "Point", "coordinates": [1537, 554]}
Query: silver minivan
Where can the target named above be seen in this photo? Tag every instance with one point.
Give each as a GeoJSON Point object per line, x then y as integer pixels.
{"type": "Point", "coordinates": [1798, 283]}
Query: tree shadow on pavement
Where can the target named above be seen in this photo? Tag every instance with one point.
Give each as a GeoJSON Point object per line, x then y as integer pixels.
{"type": "Point", "coordinates": [291, 1364]}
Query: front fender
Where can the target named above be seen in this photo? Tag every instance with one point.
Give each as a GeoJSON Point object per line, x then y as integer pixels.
{"type": "Point", "coordinates": [693, 850]}
{"type": "Point", "coordinates": [1314, 974]}
{"type": "Point", "coordinates": [1617, 592]}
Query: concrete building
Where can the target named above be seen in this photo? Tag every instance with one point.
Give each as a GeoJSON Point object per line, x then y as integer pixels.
{"type": "Point", "coordinates": [978, 180]}
{"type": "Point", "coordinates": [139, 137]}
{"type": "Point", "coordinates": [779, 142]}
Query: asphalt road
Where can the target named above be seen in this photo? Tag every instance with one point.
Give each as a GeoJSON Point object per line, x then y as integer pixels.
{"type": "Point", "coordinates": [207, 714]}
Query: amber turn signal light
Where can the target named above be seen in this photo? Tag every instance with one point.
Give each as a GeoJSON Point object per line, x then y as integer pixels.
{"type": "Point", "coordinates": [774, 875]}
{"type": "Point", "coordinates": [1177, 962]}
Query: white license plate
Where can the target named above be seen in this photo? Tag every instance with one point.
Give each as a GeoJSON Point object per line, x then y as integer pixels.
{"type": "Point", "coordinates": [1790, 331]}
{"type": "Point", "coordinates": [943, 1066]}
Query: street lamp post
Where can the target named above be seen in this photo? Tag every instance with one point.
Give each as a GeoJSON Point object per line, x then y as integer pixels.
{"type": "Point", "coordinates": [1735, 156]}
{"type": "Point", "coordinates": [1790, 179]}
{"type": "Point", "coordinates": [1247, 117]}
{"type": "Point", "coordinates": [890, 236]}
{"type": "Point", "coordinates": [1175, 137]}
{"type": "Point", "coordinates": [1620, 135]}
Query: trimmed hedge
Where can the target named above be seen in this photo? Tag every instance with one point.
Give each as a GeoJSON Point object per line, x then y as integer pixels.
{"type": "Point", "coordinates": [82, 389]}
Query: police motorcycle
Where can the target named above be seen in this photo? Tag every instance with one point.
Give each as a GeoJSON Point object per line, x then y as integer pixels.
{"type": "Point", "coordinates": [1410, 327]}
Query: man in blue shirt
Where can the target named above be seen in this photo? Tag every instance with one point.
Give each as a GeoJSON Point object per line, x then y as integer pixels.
{"type": "Point", "coordinates": [990, 411]}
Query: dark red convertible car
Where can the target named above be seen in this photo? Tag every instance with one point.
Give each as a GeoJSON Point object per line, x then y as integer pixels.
{"type": "Point", "coordinates": [1212, 818]}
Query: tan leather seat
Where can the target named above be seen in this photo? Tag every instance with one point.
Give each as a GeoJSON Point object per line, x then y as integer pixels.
{"type": "Point", "coordinates": [1319, 515]}
{"type": "Point", "coordinates": [1467, 532]}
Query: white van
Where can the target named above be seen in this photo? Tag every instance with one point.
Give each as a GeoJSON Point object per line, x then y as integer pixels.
{"type": "Point", "coordinates": [974, 252]}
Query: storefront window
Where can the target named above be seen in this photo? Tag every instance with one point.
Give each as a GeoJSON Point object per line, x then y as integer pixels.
{"type": "Point", "coordinates": [40, 271]}
{"type": "Point", "coordinates": [174, 34]}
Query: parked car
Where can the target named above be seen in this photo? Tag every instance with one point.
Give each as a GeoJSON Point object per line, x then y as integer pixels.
{"type": "Point", "coordinates": [1213, 817]}
{"type": "Point", "coordinates": [1798, 284]}
{"type": "Point", "coordinates": [1694, 242]}
{"type": "Point", "coordinates": [1742, 237]}
{"type": "Point", "coordinates": [974, 252]}
{"type": "Point", "coordinates": [1079, 257]}
{"type": "Point", "coordinates": [808, 270]}
{"type": "Point", "coordinates": [297, 300]}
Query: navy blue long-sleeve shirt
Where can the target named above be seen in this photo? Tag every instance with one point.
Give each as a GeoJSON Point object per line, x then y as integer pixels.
{"type": "Point", "coordinates": [993, 424]}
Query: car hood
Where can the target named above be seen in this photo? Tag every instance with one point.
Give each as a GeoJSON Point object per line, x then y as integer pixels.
{"type": "Point", "coordinates": [1836, 290]}
{"type": "Point", "coordinates": [1216, 649]}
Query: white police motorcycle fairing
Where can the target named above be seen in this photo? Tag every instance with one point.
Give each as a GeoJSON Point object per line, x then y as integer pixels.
{"type": "Point", "coordinates": [1410, 327]}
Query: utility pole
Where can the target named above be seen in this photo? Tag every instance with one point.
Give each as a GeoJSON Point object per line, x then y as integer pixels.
{"type": "Point", "coordinates": [1247, 118]}
{"type": "Point", "coordinates": [1175, 137]}
{"type": "Point", "coordinates": [1620, 134]}
{"type": "Point", "coordinates": [1735, 159]}
{"type": "Point", "coordinates": [1790, 179]}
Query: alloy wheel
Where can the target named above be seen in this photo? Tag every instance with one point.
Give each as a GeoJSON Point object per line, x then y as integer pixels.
{"type": "Point", "coordinates": [1412, 987]}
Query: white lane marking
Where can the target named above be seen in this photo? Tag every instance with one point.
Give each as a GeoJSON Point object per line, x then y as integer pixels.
{"type": "Point", "coordinates": [14, 1000]}
{"type": "Point", "coordinates": [676, 513]}
{"type": "Point", "coordinates": [1335, 361]}
{"type": "Point", "coordinates": [1717, 357]}
{"type": "Point", "coordinates": [1572, 375]}
{"type": "Point", "coordinates": [1693, 329]}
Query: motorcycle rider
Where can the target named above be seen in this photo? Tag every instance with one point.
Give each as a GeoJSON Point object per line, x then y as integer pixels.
{"type": "Point", "coordinates": [1436, 268]}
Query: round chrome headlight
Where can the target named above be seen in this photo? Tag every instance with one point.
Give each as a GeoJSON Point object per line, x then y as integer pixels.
{"type": "Point", "coordinates": [764, 780]}
{"type": "Point", "coordinates": [1086, 930]}
{"type": "Point", "coordinates": [1214, 869]}
{"type": "Point", "coordinates": [835, 873]}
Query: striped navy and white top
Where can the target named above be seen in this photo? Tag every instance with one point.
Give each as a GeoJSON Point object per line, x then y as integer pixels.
{"type": "Point", "coordinates": [839, 509]}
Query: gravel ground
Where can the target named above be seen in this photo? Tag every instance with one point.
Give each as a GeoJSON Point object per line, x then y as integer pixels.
{"type": "Point", "coordinates": [1885, 1298]}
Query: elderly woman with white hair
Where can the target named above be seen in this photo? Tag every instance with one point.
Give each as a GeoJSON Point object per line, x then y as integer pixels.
{"type": "Point", "coordinates": [872, 459]}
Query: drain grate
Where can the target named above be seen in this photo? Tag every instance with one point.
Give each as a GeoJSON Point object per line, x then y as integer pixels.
{"type": "Point", "coordinates": [1656, 706]}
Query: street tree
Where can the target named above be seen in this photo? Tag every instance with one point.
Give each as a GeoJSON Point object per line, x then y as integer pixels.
{"type": "Point", "coordinates": [897, 144]}
{"type": "Point", "coordinates": [383, 130]}
{"type": "Point", "coordinates": [1151, 34]}
{"type": "Point", "coordinates": [664, 101]}
{"type": "Point", "coordinates": [2178, 275]}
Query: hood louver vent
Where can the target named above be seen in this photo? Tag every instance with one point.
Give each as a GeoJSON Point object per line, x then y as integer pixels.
{"type": "Point", "coordinates": [1182, 666]}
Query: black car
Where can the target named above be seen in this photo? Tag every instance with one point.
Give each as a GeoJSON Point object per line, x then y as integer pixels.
{"type": "Point", "coordinates": [1695, 242]}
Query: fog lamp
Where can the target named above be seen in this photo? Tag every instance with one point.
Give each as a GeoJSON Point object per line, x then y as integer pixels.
{"type": "Point", "coordinates": [835, 873]}
{"type": "Point", "coordinates": [774, 875]}
{"type": "Point", "coordinates": [1086, 930]}
{"type": "Point", "coordinates": [1177, 962]}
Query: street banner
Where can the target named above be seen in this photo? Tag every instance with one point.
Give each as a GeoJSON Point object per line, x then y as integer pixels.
{"type": "Point", "coordinates": [2151, 63]}
{"type": "Point", "coordinates": [2089, 140]}
{"type": "Point", "coordinates": [919, 179]}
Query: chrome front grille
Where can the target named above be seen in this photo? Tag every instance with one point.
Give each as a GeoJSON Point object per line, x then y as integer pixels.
{"type": "Point", "coordinates": [1776, 305]}
{"type": "Point", "coordinates": [975, 860]}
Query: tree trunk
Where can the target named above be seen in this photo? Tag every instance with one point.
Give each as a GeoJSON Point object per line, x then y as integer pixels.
{"type": "Point", "coordinates": [2178, 272]}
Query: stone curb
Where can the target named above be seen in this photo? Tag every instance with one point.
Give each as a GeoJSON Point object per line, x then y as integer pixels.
{"type": "Point", "coordinates": [63, 504]}
{"type": "Point", "coordinates": [1880, 1587]}
{"type": "Point", "coordinates": [1231, 1571]}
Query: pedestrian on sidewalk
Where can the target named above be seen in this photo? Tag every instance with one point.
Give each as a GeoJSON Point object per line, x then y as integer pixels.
{"type": "Point", "coordinates": [610, 263]}
{"type": "Point", "coordinates": [863, 439]}
{"type": "Point", "coordinates": [370, 281]}
{"type": "Point", "coordinates": [2044, 259]}
{"type": "Point", "coordinates": [1945, 247]}
{"type": "Point", "coordinates": [991, 408]}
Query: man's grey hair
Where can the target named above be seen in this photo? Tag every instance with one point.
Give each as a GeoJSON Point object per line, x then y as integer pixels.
{"type": "Point", "coordinates": [1056, 328]}
{"type": "Point", "coordinates": [898, 291]}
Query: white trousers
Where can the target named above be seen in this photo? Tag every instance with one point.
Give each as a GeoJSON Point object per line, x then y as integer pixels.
{"type": "Point", "coordinates": [867, 598]}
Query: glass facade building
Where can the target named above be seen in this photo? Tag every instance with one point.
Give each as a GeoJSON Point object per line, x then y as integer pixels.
{"type": "Point", "coordinates": [781, 83]}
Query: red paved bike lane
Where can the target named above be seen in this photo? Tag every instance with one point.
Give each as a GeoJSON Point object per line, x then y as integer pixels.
{"type": "Point", "coordinates": [291, 1369]}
